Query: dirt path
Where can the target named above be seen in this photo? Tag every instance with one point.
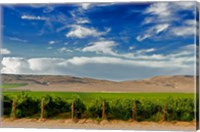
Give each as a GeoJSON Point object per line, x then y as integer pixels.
{"type": "Point", "coordinates": [92, 124]}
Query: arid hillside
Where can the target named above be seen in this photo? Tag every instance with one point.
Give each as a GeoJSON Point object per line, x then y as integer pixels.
{"type": "Point", "coordinates": [76, 84]}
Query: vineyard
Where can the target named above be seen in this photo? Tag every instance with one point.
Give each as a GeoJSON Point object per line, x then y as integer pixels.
{"type": "Point", "coordinates": [48, 106]}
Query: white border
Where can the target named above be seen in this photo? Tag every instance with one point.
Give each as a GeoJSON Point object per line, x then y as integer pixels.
{"type": "Point", "coordinates": [70, 1]}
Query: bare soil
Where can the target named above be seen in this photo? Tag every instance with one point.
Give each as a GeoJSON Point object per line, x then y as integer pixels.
{"type": "Point", "coordinates": [94, 124]}
{"type": "Point", "coordinates": [184, 84]}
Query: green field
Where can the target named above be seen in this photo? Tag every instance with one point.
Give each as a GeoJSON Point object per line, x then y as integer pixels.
{"type": "Point", "coordinates": [147, 106]}
{"type": "Point", "coordinates": [90, 96]}
{"type": "Point", "coordinates": [12, 85]}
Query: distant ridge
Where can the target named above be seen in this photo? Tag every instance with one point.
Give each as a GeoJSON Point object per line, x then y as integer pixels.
{"type": "Point", "coordinates": [178, 83]}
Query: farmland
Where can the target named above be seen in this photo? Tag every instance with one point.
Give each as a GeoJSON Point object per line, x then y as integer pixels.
{"type": "Point", "coordinates": [13, 85]}
{"type": "Point", "coordinates": [88, 96]}
{"type": "Point", "coordinates": [98, 105]}
{"type": "Point", "coordinates": [149, 106]}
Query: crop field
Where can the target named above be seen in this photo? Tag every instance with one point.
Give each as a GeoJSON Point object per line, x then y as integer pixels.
{"type": "Point", "coordinates": [12, 85]}
{"type": "Point", "coordinates": [88, 96]}
{"type": "Point", "coordinates": [99, 105]}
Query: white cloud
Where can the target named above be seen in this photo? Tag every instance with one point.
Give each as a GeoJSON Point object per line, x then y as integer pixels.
{"type": "Point", "coordinates": [153, 31]}
{"type": "Point", "coordinates": [141, 38]}
{"type": "Point", "coordinates": [82, 21]}
{"type": "Point", "coordinates": [29, 17]}
{"type": "Point", "coordinates": [85, 6]}
{"type": "Point", "coordinates": [181, 61]}
{"type": "Point", "coordinates": [145, 51]}
{"type": "Point", "coordinates": [18, 39]}
{"type": "Point", "coordinates": [113, 68]}
{"type": "Point", "coordinates": [82, 32]}
{"type": "Point", "coordinates": [160, 9]}
{"type": "Point", "coordinates": [183, 31]}
{"type": "Point", "coordinates": [14, 65]}
{"type": "Point", "coordinates": [186, 29]}
{"type": "Point", "coordinates": [161, 28]}
{"type": "Point", "coordinates": [131, 47]}
{"type": "Point", "coordinates": [5, 51]}
{"type": "Point", "coordinates": [64, 50]}
{"type": "Point", "coordinates": [167, 11]}
{"type": "Point", "coordinates": [105, 47]}
{"type": "Point", "coordinates": [163, 15]}
{"type": "Point", "coordinates": [52, 42]}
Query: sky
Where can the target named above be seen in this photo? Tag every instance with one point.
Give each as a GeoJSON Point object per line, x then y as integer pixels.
{"type": "Point", "coordinates": [112, 41]}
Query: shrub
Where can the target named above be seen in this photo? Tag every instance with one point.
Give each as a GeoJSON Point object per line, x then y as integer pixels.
{"type": "Point", "coordinates": [121, 109]}
{"type": "Point", "coordinates": [7, 105]}
{"type": "Point", "coordinates": [53, 105]}
{"type": "Point", "coordinates": [95, 108]}
{"type": "Point", "coordinates": [181, 109]}
{"type": "Point", "coordinates": [79, 106]}
{"type": "Point", "coordinates": [26, 105]}
{"type": "Point", "coordinates": [146, 109]}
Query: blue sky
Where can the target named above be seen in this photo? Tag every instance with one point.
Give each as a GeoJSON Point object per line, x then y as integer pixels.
{"type": "Point", "coordinates": [114, 41]}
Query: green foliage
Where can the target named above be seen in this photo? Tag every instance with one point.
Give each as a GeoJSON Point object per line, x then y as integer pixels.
{"type": "Point", "coordinates": [181, 109]}
{"type": "Point", "coordinates": [54, 105]}
{"type": "Point", "coordinates": [121, 109]}
{"type": "Point", "coordinates": [7, 105]}
{"type": "Point", "coordinates": [177, 109]}
{"type": "Point", "coordinates": [95, 108]}
{"type": "Point", "coordinates": [146, 109]}
{"type": "Point", "coordinates": [13, 85]}
{"type": "Point", "coordinates": [26, 105]}
{"type": "Point", "coordinates": [79, 106]}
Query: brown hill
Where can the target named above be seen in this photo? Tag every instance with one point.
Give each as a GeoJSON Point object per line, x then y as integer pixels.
{"type": "Point", "coordinates": [76, 84]}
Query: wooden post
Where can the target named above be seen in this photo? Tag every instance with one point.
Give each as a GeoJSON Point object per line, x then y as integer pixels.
{"type": "Point", "coordinates": [103, 110]}
{"type": "Point", "coordinates": [42, 109]}
{"type": "Point", "coordinates": [164, 112]}
{"type": "Point", "coordinates": [133, 110]}
{"type": "Point", "coordinates": [72, 110]}
{"type": "Point", "coordinates": [14, 107]}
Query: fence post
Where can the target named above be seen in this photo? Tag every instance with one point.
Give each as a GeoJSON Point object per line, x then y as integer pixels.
{"type": "Point", "coordinates": [103, 110]}
{"type": "Point", "coordinates": [133, 110]}
{"type": "Point", "coordinates": [72, 116]}
{"type": "Point", "coordinates": [14, 106]}
{"type": "Point", "coordinates": [164, 112]}
{"type": "Point", "coordinates": [42, 109]}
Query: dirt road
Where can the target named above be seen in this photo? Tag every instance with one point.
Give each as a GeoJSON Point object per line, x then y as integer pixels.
{"type": "Point", "coordinates": [93, 124]}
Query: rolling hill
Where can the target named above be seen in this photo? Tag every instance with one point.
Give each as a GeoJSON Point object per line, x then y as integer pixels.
{"type": "Point", "coordinates": [76, 84]}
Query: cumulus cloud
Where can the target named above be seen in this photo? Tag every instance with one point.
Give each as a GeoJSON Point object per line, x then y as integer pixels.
{"type": "Point", "coordinates": [180, 61]}
{"type": "Point", "coordinates": [29, 17]}
{"type": "Point", "coordinates": [105, 47]}
{"type": "Point", "coordinates": [79, 31]}
{"type": "Point", "coordinates": [4, 51]}
{"type": "Point", "coordinates": [102, 66]}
